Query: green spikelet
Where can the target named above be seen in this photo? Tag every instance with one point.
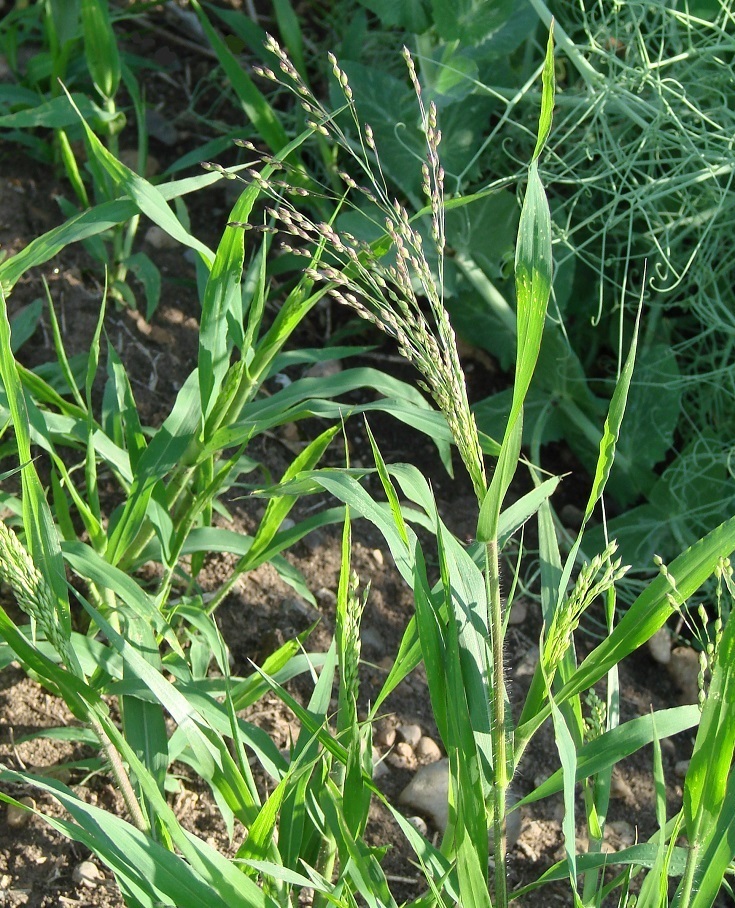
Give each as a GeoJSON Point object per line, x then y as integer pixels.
{"type": "Point", "coordinates": [32, 592]}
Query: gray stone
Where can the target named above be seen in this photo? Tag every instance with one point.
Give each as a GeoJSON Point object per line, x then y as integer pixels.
{"type": "Point", "coordinates": [410, 733]}
{"type": "Point", "coordinates": [372, 639]}
{"type": "Point", "coordinates": [385, 734]}
{"type": "Point", "coordinates": [325, 597]}
{"type": "Point", "coordinates": [684, 669]}
{"type": "Point", "coordinates": [380, 768]}
{"type": "Point", "coordinates": [518, 612]}
{"type": "Point", "coordinates": [87, 874]}
{"type": "Point", "coordinates": [428, 792]}
{"type": "Point", "coordinates": [420, 824]}
{"type": "Point", "coordinates": [660, 646]}
{"type": "Point", "coordinates": [427, 750]}
{"type": "Point", "coordinates": [402, 756]}
{"type": "Point", "coordinates": [18, 816]}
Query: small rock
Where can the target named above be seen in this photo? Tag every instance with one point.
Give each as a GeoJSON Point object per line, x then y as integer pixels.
{"type": "Point", "coordinates": [290, 432]}
{"type": "Point", "coordinates": [684, 669]}
{"type": "Point", "coordinates": [380, 767]}
{"type": "Point", "coordinates": [87, 874]}
{"type": "Point", "coordinates": [619, 788]}
{"type": "Point", "coordinates": [18, 816]}
{"type": "Point", "coordinates": [620, 833]}
{"type": "Point", "coordinates": [288, 523]}
{"type": "Point", "coordinates": [324, 369]}
{"type": "Point", "coordinates": [518, 611]}
{"type": "Point", "coordinates": [681, 769]}
{"type": "Point", "coordinates": [297, 608]}
{"type": "Point", "coordinates": [129, 157]}
{"type": "Point", "coordinates": [427, 750]}
{"type": "Point", "coordinates": [660, 646]}
{"type": "Point", "coordinates": [158, 238]}
{"type": "Point", "coordinates": [527, 665]}
{"type": "Point", "coordinates": [668, 748]}
{"type": "Point", "coordinates": [385, 734]}
{"type": "Point", "coordinates": [325, 597]}
{"type": "Point", "coordinates": [160, 127]}
{"type": "Point", "coordinates": [313, 541]}
{"type": "Point", "coordinates": [428, 792]}
{"type": "Point", "coordinates": [372, 639]}
{"type": "Point", "coordinates": [378, 557]}
{"type": "Point", "coordinates": [5, 882]}
{"type": "Point", "coordinates": [411, 734]}
{"type": "Point", "coordinates": [420, 824]}
{"type": "Point", "coordinates": [402, 756]}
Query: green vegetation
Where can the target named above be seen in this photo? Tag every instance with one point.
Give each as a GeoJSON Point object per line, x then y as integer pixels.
{"type": "Point", "coordinates": [396, 197]}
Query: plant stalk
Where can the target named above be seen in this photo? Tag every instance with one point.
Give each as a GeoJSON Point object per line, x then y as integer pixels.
{"type": "Point", "coordinates": [121, 776]}
{"type": "Point", "coordinates": [499, 743]}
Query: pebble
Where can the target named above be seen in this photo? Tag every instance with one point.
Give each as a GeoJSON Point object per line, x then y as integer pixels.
{"type": "Point", "coordinates": [87, 874]}
{"type": "Point", "coordinates": [325, 597]}
{"type": "Point", "coordinates": [297, 608]}
{"type": "Point", "coordinates": [684, 669]}
{"type": "Point", "coordinates": [324, 369]}
{"type": "Point", "coordinates": [380, 768]}
{"type": "Point", "coordinates": [378, 557]}
{"type": "Point", "coordinates": [385, 734]}
{"type": "Point", "coordinates": [420, 824]}
{"type": "Point", "coordinates": [313, 541]}
{"type": "Point", "coordinates": [518, 612]}
{"type": "Point", "coordinates": [619, 788]}
{"type": "Point", "coordinates": [618, 833]}
{"type": "Point", "coordinates": [288, 523]}
{"type": "Point", "coordinates": [411, 734]}
{"type": "Point", "coordinates": [681, 769]}
{"type": "Point", "coordinates": [660, 646]}
{"type": "Point", "coordinates": [18, 816]}
{"type": "Point", "coordinates": [290, 432]}
{"type": "Point", "coordinates": [372, 639]}
{"type": "Point", "coordinates": [158, 238]}
{"type": "Point", "coordinates": [428, 792]}
{"type": "Point", "coordinates": [402, 756]}
{"type": "Point", "coordinates": [427, 750]}
{"type": "Point", "coordinates": [527, 665]}
{"type": "Point", "coordinates": [129, 157]}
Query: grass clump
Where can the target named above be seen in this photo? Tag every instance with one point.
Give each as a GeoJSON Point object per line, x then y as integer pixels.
{"type": "Point", "coordinates": [306, 833]}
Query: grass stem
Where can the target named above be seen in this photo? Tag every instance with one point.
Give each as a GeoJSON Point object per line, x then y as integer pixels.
{"type": "Point", "coordinates": [499, 744]}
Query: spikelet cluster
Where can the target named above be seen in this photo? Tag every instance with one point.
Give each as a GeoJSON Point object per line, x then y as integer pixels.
{"type": "Point", "coordinates": [32, 591]}
{"type": "Point", "coordinates": [594, 579]}
{"type": "Point", "coordinates": [403, 299]}
{"type": "Point", "coordinates": [348, 635]}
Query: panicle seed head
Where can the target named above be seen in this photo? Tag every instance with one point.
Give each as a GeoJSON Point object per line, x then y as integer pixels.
{"type": "Point", "coordinates": [32, 592]}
